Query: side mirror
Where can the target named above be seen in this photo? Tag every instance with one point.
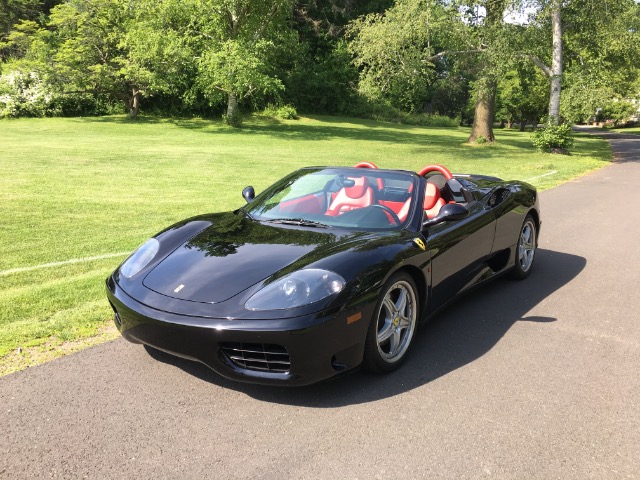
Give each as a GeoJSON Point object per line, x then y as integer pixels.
{"type": "Point", "coordinates": [448, 213]}
{"type": "Point", "coordinates": [248, 194]}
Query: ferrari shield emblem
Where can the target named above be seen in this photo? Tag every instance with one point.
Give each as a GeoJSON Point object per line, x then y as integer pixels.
{"type": "Point", "coordinates": [419, 243]}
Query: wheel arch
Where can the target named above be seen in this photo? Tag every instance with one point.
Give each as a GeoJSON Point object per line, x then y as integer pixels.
{"type": "Point", "coordinates": [421, 284]}
{"type": "Point", "coordinates": [536, 218]}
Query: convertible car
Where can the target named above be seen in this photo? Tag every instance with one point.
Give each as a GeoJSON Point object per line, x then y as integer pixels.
{"type": "Point", "coordinates": [328, 269]}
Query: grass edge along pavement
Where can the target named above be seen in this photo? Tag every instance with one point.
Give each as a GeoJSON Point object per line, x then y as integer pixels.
{"type": "Point", "coordinates": [630, 130]}
{"type": "Point", "coordinates": [87, 188]}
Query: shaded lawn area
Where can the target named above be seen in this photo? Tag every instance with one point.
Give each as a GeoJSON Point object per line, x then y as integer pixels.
{"type": "Point", "coordinates": [86, 187]}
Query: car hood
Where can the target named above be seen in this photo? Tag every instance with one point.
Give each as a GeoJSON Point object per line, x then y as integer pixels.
{"type": "Point", "coordinates": [235, 253]}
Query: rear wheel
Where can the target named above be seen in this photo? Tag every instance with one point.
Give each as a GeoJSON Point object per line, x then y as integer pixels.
{"type": "Point", "coordinates": [393, 325]}
{"type": "Point", "coordinates": [526, 249]}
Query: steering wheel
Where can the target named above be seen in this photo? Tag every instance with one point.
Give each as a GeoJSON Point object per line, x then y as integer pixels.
{"type": "Point", "coordinates": [391, 213]}
{"type": "Point", "coordinates": [436, 168]}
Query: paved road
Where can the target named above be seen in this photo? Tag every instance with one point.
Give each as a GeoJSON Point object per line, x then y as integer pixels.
{"type": "Point", "coordinates": [524, 380]}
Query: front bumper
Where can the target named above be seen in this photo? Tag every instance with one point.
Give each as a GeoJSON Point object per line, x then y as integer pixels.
{"type": "Point", "coordinates": [292, 351]}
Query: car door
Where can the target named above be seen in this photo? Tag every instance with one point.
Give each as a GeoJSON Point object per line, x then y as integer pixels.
{"type": "Point", "coordinates": [459, 250]}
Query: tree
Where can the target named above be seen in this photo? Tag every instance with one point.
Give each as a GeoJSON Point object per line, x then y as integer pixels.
{"type": "Point", "coordinates": [490, 32]}
{"type": "Point", "coordinates": [318, 74]}
{"type": "Point", "coordinates": [555, 74]}
{"type": "Point", "coordinates": [239, 38]}
{"type": "Point", "coordinates": [595, 55]}
{"type": "Point", "coordinates": [396, 52]}
{"type": "Point", "coordinates": [120, 48]}
{"type": "Point", "coordinates": [85, 49]}
{"type": "Point", "coordinates": [523, 95]}
{"type": "Point", "coordinates": [11, 13]}
{"type": "Point", "coordinates": [160, 50]}
{"type": "Point", "coordinates": [602, 53]}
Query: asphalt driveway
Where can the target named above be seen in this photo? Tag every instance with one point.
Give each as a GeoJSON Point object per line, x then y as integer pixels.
{"type": "Point", "coordinates": [535, 379]}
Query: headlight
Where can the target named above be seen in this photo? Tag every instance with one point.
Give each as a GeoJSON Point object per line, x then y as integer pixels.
{"type": "Point", "coordinates": [140, 258]}
{"type": "Point", "coordinates": [296, 289]}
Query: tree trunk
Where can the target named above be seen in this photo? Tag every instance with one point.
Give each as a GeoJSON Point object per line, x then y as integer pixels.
{"type": "Point", "coordinates": [486, 95]}
{"type": "Point", "coordinates": [523, 124]}
{"type": "Point", "coordinates": [233, 117]}
{"type": "Point", "coordinates": [134, 103]}
{"type": "Point", "coordinates": [483, 117]}
{"type": "Point", "coordinates": [556, 63]}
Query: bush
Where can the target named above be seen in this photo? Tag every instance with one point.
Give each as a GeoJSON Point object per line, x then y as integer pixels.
{"type": "Point", "coordinates": [553, 138]}
{"type": "Point", "coordinates": [82, 105]}
{"type": "Point", "coordinates": [618, 111]}
{"type": "Point", "coordinates": [23, 95]}
{"type": "Point", "coordinates": [286, 112]}
{"type": "Point", "coordinates": [234, 121]}
{"type": "Point", "coordinates": [320, 79]}
{"type": "Point", "coordinates": [417, 119]}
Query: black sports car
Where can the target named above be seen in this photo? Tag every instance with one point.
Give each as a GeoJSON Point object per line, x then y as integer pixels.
{"type": "Point", "coordinates": [327, 269]}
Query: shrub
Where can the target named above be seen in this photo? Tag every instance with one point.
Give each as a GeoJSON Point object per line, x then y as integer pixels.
{"type": "Point", "coordinates": [385, 112]}
{"type": "Point", "coordinates": [23, 95]}
{"type": "Point", "coordinates": [82, 105]}
{"type": "Point", "coordinates": [618, 111]}
{"type": "Point", "coordinates": [319, 79]}
{"type": "Point", "coordinates": [286, 112]}
{"type": "Point", "coordinates": [234, 121]}
{"type": "Point", "coordinates": [26, 94]}
{"type": "Point", "coordinates": [427, 120]}
{"type": "Point", "coordinates": [553, 138]}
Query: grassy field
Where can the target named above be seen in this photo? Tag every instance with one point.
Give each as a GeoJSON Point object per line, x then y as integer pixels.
{"type": "Point", "coordinates": [634, 130]}
{"type": "Point", "coordinates": [76, 189]}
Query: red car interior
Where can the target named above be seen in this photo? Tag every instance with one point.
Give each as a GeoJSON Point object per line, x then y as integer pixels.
{"type": "Point", "coordinates": [433, 201]}
{"type": "Point", "coordinates": [363, 194]}
{"type": "Point", "coordinates": [349, 198]}
{"type": "Point", "coordinates": [313, 204]}
{"type": "Point", "coordinates": [374, 166]}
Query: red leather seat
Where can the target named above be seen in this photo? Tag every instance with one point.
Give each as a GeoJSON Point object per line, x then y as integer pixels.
{"type": "Point", "coordinates": [433, 202]}
{"type": "Point", "coordinates": [404, 211]}
{"type": "Point", "coordinates": [350, 198]}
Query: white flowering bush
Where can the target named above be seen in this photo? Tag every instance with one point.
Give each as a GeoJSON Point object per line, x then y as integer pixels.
{"type": "Point", "coordinates": [27, 95]}
{"type": "Point", "coordinates": [24, 95]}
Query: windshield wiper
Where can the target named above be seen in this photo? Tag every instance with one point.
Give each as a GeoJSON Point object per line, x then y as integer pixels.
{"type": "Point", "coordinates": [298, 221]}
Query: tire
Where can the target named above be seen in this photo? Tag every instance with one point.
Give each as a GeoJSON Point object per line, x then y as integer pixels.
{"type": "Point", "coordinates": [393, 325]}
{"type": "Point", "coordinates": [526, 249]}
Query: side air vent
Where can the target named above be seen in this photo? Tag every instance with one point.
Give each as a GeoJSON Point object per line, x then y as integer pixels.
{"type": "Point", "coordinates": [498, 197]}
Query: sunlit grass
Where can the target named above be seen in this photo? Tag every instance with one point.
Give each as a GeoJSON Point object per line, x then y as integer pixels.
{"type": "Point", "coordinates": [634, 130]}
{"type": "Point", "coordinates": [84, 187]}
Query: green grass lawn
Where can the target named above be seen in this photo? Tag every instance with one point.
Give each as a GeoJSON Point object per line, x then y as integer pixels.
{"type": "Point", "coordinates": [87, 187]}
{"type": "Point", "coordinates": [634, 130]}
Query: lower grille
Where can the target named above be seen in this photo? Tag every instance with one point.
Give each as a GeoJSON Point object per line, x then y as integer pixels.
{"type": "Point", "coordinates": [258, 356]}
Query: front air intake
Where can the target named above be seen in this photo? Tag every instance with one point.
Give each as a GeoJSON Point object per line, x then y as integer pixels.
{"type": "Point", "coordinates": [258, 356]}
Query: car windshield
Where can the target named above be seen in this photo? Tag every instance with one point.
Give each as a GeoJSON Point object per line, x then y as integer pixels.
{"type": "Point", "coordinates": [353, 198]}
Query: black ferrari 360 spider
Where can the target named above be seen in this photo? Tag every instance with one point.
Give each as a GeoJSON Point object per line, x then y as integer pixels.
{"type": "Point", "coordinates": [327, 269]}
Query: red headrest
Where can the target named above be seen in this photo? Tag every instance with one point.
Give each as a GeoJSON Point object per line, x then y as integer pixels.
{"type": "Point", "coordinates": [431, 196]}
{"type": "Point", "coordinates": [358, 189]}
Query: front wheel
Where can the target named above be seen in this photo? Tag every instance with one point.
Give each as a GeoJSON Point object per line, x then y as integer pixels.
{"type": "Point", "coordinates": [393, 325]}
{"type": "Point", "coordinates": [526, 249]}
